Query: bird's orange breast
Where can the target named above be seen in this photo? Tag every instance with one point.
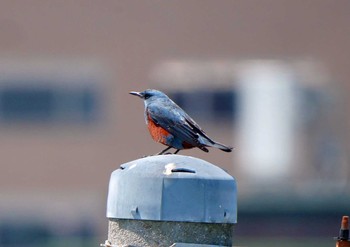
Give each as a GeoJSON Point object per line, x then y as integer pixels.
{"type": "Point", "coordinates": [158, 133]}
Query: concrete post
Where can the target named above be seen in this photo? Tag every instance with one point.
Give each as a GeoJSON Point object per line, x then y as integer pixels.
{"type": "Point", "coordinates": [171, 200]}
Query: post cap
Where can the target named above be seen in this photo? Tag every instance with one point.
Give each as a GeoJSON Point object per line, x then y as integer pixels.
{"type": "Point", "coordinates": [172, 188]}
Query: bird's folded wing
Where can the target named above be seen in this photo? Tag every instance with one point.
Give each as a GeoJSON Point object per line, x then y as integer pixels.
{"type": "Point", "coordinates": [175, 121]}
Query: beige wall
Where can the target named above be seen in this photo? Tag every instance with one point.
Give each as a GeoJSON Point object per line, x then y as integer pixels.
{"type": "Point", "coordinates": [125, 41]}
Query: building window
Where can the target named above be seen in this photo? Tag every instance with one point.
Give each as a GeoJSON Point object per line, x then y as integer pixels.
{"type": "Point", "coordinates": [26, 104]}
{"type": "Point", "coordinates": [210, 104]}
{"type": "Point", "coordinates": [48, 104]}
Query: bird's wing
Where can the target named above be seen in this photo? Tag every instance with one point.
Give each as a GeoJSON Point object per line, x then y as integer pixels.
{"type": "Point", "coordinates": [197, 128]}
{"type": "Point", "coordinates": [176, 121]}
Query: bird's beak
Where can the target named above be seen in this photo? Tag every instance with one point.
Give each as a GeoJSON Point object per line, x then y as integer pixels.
{"type": "Point", "coordinates": [137, 94]}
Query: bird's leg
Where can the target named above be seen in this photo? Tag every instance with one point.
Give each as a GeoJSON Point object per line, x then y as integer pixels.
{"type": "Point", "coordinates": [162, 152]}
{"type": "Point", "coordinates": [177, 151]}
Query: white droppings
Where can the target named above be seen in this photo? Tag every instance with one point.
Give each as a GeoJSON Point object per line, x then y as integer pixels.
{"type": "Point", "coordinates": [168, 168]}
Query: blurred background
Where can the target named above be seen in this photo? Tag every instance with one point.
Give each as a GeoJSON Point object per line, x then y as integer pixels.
{"type": "Point", "coordinates": [270, 78]}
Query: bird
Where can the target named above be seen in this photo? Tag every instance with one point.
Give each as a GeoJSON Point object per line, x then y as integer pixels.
{"type": "Point", "coordinates": [170, 125]}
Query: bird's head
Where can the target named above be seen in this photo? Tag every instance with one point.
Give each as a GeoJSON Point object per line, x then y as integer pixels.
{"type": "Point", "coordinates": [149, 94]}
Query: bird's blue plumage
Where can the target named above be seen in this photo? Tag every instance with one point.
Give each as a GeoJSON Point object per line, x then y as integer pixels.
{"type": "Point", "coordinates": [183, 131]}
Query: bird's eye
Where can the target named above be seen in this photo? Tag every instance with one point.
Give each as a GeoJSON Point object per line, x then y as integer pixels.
{"type": "Point", "coordinates": [147, 96]}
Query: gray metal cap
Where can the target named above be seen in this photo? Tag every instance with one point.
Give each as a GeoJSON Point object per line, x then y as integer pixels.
{"type": "Point", "coordinates": [172, 188]}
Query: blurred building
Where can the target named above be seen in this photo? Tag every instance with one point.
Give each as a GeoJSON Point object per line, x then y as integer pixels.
{"type": "Point", "coordinates": [267, 77]}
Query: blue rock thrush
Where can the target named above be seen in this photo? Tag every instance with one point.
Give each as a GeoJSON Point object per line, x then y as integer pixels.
{"type": "Point", "coordinates": [172, 126]}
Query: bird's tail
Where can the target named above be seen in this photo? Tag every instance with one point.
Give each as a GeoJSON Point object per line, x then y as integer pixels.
{"type": "Point", "coordinates": [210, 143]}
{"type": "Point", "coordinates": [221, 146]}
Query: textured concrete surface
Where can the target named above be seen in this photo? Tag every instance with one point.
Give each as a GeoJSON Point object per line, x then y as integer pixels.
{"type": "Point", "coordinates": [139, 233]}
